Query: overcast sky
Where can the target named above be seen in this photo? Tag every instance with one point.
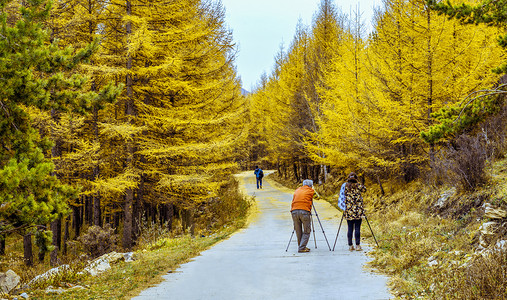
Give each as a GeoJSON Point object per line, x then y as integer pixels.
{"type": "Point", "coordinates": [260, 26]}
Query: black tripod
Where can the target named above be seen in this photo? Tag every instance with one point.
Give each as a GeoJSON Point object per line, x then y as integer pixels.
{"type": "Point", "coordinates": [341, 226]}
{"type": "Point", "coordinates": [313, 228]}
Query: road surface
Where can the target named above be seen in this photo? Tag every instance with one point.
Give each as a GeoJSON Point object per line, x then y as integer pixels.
{"type": "Point", "coordinates": [253, 263]}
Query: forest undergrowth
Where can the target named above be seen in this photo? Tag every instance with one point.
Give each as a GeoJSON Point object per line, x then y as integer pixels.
{"type": "Point", "coordinates": [158, 252]}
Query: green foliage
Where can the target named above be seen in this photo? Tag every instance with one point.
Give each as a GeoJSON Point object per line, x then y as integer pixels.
{"type": "Point", "coordinates": [32, 70]}
{"type": "Point", "coordinates": [43, 240]}
{"type": "Point", "coordinates": [456, 119]}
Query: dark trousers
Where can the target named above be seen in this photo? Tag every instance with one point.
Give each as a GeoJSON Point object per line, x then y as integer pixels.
{"type": "Point", "coordinates": [259, 182]}
{"type": "Point", "coordinates": [354, 225]}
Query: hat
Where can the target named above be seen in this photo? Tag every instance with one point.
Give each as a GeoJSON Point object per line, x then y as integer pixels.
{"type": "Point", "coordinates": [352, 177]}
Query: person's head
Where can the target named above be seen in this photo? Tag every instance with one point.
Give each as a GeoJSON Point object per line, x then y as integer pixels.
{"type": "Point", "coordinates": [308, 182]}
{"type": "Point", "coordinates": [352, 177]}
{"type": "Point", "coordinates": [256, 167]}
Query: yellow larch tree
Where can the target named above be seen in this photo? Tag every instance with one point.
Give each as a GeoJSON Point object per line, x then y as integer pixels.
{"type": "Point", "coordinates": [366, 101]}
{"type": "Point", "coordinates": [180, 113]}
{"type": "Point", "coordinates": [291, 100]}
{"type": "Point", "coordinates": [345, 126]}
{"type": "Point", "coordinates": [288, 113]}
{"type": "Point", "coordinates": [422, 61]}
{"type": "Point", "coordinates": [323, 47]}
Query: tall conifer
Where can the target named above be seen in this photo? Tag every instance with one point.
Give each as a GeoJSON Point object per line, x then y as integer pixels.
{"type": "Point", "coordinates": [32, 70]}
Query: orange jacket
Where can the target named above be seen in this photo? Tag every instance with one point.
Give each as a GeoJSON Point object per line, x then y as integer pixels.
{"type": "Point", "coordinates": [302, 199]}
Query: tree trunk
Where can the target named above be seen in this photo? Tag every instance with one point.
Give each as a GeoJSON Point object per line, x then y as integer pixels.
{"type": "Point", "coordinates": [279, 169]}
{"type": "Point", "coordinates": [380, 185]}
{"type": "Point", "coordinates": [116, 221]}
{"type": "Point", "coordinates": [2, 244]}
{"type": "Point", "coordinates": [129, 111]}
{"type": "Point", "coordinates": [89, 210]}
{"type": "Point", "coordinates": [27, 249]}
{"type": "Point", "coordinates": [154, 214]}
{"type": "Point", "coordinates": [82, 210]}
{"type": "Point", "coordinates": [430, 81]}
{"type": "Point", "coordinates": [170, 216]}
{"type": "Point", "coordinates": [188, 221]}
{"type": "Point", "coordinates": [56, 228]}
{"type": "Point", "coordinates": [185, 219]}
{"type": "Point", "coordinates": [127, 220]}
{"type": "Point", "coordinates": [304, 171]}
{"type": "Point", "coordinates": [97, 215]}
{"type": "Point", "coordinates": [138, 208]}
{"type": "Point", "coordinates": [76, 220]}
{"type": "Point", "coordinates": [66, 236]}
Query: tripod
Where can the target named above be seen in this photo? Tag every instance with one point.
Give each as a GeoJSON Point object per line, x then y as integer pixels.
{"type": "Point", "coordinates": [341, 226]}
{"type": "Point", "coordinates": [293, 230]}
{"type": "Point", "coordinates": [323, 232]}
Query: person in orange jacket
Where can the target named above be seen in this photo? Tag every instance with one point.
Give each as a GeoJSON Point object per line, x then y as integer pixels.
{"type": "Point", "coordinates": [301, 208]}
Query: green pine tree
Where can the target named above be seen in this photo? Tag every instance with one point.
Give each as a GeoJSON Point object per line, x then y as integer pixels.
{"type": "Point", "coordinates": [32, 76]}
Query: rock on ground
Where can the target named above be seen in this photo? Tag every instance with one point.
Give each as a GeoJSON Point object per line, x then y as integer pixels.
{"type": "Point", "coordinates": [8, 281]}
{"type": "Point", "coordinates": [49, 274]}
{"type": "Point", "coordinates": [494, 212]}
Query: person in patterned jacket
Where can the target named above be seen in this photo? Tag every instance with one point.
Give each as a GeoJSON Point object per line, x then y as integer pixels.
{"type": "Point", "coordinates": [354, 210]}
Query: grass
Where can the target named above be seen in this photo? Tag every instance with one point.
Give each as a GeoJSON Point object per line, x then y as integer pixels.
{"type": "Point", "coordinates": [430, 252]}
{"type": "Point", "coordinates": [159, 252]}
{"type": "Point", "coordinates": [125, 280]}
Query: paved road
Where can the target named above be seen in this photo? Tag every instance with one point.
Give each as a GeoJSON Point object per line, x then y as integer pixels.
{"type": "Point", "coordinates": [253, 263]}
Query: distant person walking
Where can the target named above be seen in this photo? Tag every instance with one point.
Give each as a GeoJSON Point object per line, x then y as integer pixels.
{"type": "Point", "coordinates": [301, 213]}
{"type": "Point", "coordinates": [258, 175]}
{"type": "Point", "coordinates": [354, 210]}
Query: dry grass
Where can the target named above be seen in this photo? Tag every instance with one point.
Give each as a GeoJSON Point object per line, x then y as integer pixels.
{"type": "Point", "coordinates": [126, 280]}
{"type": "Point", "coordinates": [431, 253]}
{"type": "Point", "coordinates": [158, 252]}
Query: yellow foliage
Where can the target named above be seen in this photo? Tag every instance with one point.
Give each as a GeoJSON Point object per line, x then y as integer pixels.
{"type": "Point", "coordinates": [116, 185]}
{"type": "Point", "coordinates": [336, 98]}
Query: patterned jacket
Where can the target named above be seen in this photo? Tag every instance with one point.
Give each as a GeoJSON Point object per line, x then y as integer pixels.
{"type": "Point", "coordinates": [354, 201]}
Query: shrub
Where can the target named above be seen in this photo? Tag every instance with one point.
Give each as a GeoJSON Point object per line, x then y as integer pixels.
{"type": "Point", "coordinates": [151, 232]}
{"type": "Point", "coordinates": [43, 240]}
{"type": "Point", "coordinates": [462, 163]}
{"type": "Point", "coordinates": [98, 241]}
{"type": "Point", "coordinates": [494, 132]}
{"type": "Point", "coordinates": [469, 161]}
{"type": "Point", "coordinates": [229, 206]}
{"type": "Point", "coordinates": [483, 278]}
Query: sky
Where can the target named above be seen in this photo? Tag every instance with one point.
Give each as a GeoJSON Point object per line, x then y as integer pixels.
{"type": "Point", "coordinates": [260, 27]}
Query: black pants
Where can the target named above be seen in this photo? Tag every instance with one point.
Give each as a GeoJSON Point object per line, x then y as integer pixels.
{"type": "Point", "coordinates": [354, 225]}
